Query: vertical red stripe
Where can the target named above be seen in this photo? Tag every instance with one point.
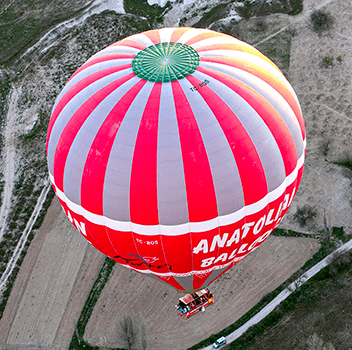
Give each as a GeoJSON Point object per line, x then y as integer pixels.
{"type": "Point", "coordinates": [246, 157]}
{"type": "Point", "coordinates": [143, 185]}
{"type": "Point", "coordinates": [199, 279]}
{"type": "Point", "coordinates": [78, 87]}
{"type": "Point", "coordinates": [178, 252]}
{"type": "Point", "coordinates": [200, 189]}
{"type": "Point", "coordinates": [74, 124]}
{"type": "Point", "coordinates": [153, 35]}
{"type": "Point", "coordinates": [92, 185]}
{"type": "Point", "coordinates": [268, 114]}
{"type": "Point", "coordinates": [177, 33]}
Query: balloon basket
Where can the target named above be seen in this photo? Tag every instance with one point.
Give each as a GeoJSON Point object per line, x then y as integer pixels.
{"type": "Point", "coordinates": [192, 303]}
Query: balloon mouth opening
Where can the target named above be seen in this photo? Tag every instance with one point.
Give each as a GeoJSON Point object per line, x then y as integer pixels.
{"type": "Point", "coordinates": [190, 291]}
{"type": "Point", "coordinates": [165, 62]}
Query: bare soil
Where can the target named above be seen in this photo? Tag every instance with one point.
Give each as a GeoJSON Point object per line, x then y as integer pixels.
{"type": "Point", "coordinates": [325, 95]}
{"type": "Point", "coordinates": [152, 302]}
{"type": "Point", "coordinates": [51, 288]}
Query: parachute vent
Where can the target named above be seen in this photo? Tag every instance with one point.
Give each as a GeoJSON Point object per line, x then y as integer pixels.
{"type": "Point", "coordinates": [165, 62]}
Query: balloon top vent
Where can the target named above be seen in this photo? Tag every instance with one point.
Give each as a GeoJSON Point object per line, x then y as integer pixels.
{"type": "Point", "coordinates": [165, 62]}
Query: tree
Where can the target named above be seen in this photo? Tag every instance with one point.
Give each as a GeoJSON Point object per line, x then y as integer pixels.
{"type": "Point", "coordinates": [127, 331]}
{"type": "Point", "coordinates": [321, 21]}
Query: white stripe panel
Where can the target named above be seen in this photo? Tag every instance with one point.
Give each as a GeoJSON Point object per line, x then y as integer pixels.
{"type": "Point", "coordinates": [183, 228]}
{"type": "Point", "coordinates": [90, 70]}
{"type": "Point", "coordinates": [75, 103]}
{"type": "Point", "coordinates": [267, 91]}
{"type": "Point", "coordinates": [224, 170]}
{"type": "Point", "coordinates": [253, 80]}
{"type": "Point", "coordinates": [84, 138]}
{"type": "Point", "coordinates": [189, 34]}
{"type": "Point", "coordinates": [165, 34]}
{"type": "Point", "coordinates": [116, 49]}
{"type": "Point", "coordinates": [141, 38]}
{"type": "Point", "coordinates": [251, 59]}
{"type": "Point", "coordinates": [220, 40]}
{"type": "Point", "coordinates": [257, 130]}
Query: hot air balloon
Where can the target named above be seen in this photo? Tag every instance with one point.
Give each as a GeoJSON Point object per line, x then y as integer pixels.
{"type": "Point", "coordinates": [176, 152]}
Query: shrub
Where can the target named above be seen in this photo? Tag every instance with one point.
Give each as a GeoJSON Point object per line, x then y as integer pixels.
{"type": "Point", "coordinates": [260, 23]}
{"type": "Point", "coordinates": [346, 161]}
{"type": "Point", "coordinates": [338, 261]}
{"type": "Point", "coordinates": [339, 59]}
{"type": "Point", "coordinates": [305, 215]}
{"type": "Point", "coordinates": [321, 21]}
{"type": "Point", "coordinates": [327, 61]}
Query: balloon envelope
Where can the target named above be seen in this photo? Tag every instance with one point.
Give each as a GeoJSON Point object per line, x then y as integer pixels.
{"type": "Point", "coordinates": [176, 152]}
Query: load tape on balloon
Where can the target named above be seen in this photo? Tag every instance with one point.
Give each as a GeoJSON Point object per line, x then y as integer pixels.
{"type": "Point", "coordinates": [176, 152]}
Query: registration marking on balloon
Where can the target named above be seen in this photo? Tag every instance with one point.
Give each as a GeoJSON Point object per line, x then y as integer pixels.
{"type": "Point", "coordinates": [176, 152]}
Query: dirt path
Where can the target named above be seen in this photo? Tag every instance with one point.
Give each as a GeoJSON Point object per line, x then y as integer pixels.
{"type": "Point", "coordinates": [236, 292]}
{"type": "Point", "coordinates": [51, 288]}
{"type": "Point", "coordinates": [10, 138]}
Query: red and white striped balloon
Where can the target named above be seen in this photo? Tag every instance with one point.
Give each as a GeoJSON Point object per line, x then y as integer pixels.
{"type": "Point", "coordinates": [176, 152]}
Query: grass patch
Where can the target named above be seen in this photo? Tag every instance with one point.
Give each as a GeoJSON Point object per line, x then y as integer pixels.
{"type": "Point", "coordinates": [23, 23]}
{"type": "Point", "coordinates": [262, 8]}
{"type": "Point", "coordinates": [209, 17]}
{"type": "Point", "coordinates": [247, 9]}
{"type": "Point", "coordinates": [153, 13]}
{"type": "Point", "coordinates": [340, 234]}
{"type": "Point", "coordinates": [77, 341]}
{"type": "Point", "coordinates": [290, 233]}
{"type": "Point", "coordinates": [346, 162]}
